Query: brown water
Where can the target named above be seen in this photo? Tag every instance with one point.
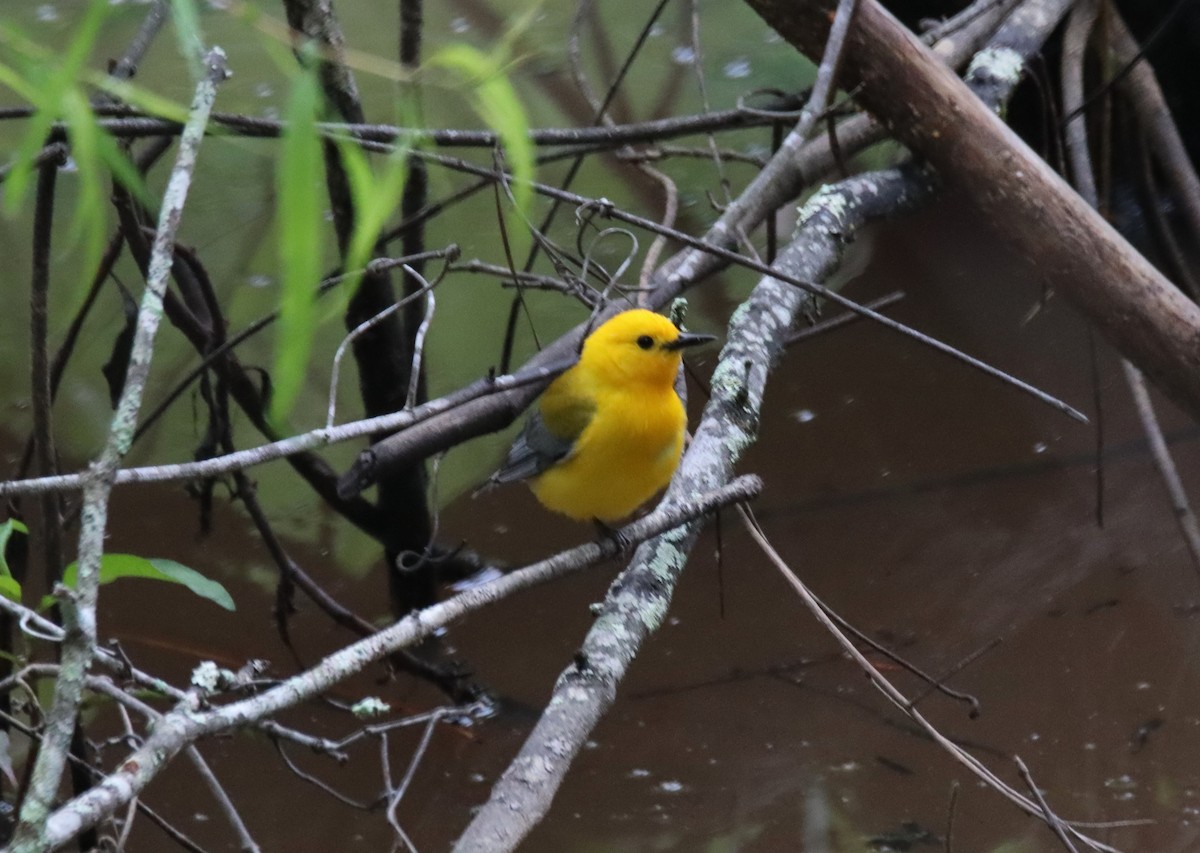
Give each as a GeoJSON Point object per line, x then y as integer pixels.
{"type": "Point", "coordinates": [934, 509]}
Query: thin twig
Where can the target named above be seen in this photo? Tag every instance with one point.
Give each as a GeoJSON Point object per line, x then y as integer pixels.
{"type": "Point", "coordinates": [730, 256]}
{"type": "Point", "coordinates": [184, 725]}
{"type": "Point", "coordinates": [844, 319]}
{"type": "Point", "coordinates": [351, 336]}
{"type": "Point", "coordinates": [897, 698]}
{"type": "Point", "coordinates": [319, 783]}
{"type": "Point", "coordinates": [1160, 452]}
{"type": "Point", "coordinates": [418, 339]}
{"type": "Point", "coordinates": [242, 459]}
{"type": "Point", "coordinates": [1074, 43]}
{"type": "Point", "coordinates": [398, 794]}
{"type": "Point", "coordinates": [248, 845]}
{"type": "Point", "coordinates": [1052, 820]}
{"type": "Point", "coordinates": [328, 283]}
{"type": "Point", "coordinates": [948, 841]}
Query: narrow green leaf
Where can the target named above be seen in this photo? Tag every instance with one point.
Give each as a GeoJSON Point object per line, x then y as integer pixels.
{"type": "Point", "coordinates": [80, 48]}
{"type": "Point", "coordinates": [12, 79]}
{"type": "Point", "coordinates": [116, 566]}
{"type": "Point", "coordinates": [139, 97]}
{"type": "Point", "coordinates": [299, 191]}
{"type": "Point", "coordinates": [496, 101]}
{"type": "Point", "coordinates": [10, 589]}
{"type": "Point", "coordinates": [187, 30]}
{"type": "Point", "coordinates": [53, 75]}
{"type": "Point", "coordinates": [196, 582]}
{"type": "Point", "coordinates": [17, 183]}
{"type": "Point", "coordinates": [360, 179]}
{"type": "Point", "coordinates": [120, 165]}
{"type": "Point", "coordinates": [91, 207]}
{"type": "Point", "coordinates": [502, 110]}
{"type": "Point", "coordinates": [375, 197]}
{"type": "Point", "coordinates": [6, 531]}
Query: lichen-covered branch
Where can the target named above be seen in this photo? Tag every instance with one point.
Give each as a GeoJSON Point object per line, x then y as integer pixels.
{"type": "Point", "coordinates": [79, 611]}
{"type": "Point", "coordinates": [189, 722]}
{"type": "Point", "coordinates": [637, 602]}
{"type": "Point", "coordinates": [789, 170]}
{"type": "Point", "coordinates": [759, 330]}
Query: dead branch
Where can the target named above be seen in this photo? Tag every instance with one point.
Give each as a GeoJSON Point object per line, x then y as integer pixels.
{"type": "Point", "coordinates": [1074, 44]}
{"type": "Point", "coordinates": [789, 170]}
{"type": "Point", "coordinates": [191, 720]}
{"type": "Point", "coordinates": [1078, 253]}
{"type": "Point", "coordinates": [638, 600]}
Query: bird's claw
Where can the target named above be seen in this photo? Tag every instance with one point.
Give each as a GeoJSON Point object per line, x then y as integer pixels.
{"type": "Point", "coordinates": [612, 537]}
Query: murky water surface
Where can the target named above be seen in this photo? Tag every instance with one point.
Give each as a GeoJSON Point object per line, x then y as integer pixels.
{"type": "Point", "coordinates": [939, 512]}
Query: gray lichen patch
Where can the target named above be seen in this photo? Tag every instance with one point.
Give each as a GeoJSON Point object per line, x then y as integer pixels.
{"type": "Point", "coordinates": [1000, 66]}
{"type": "Point", "coordinates": [829, 199]}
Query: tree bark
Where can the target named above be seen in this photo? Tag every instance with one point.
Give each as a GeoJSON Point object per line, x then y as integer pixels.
{"type": "Point", "coordinates": [1076, 252]}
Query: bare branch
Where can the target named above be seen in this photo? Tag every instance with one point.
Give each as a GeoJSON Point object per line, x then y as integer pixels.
{"type": "Point", "coordinates": [79, 614]}
{"type": "Point", "coordinates": [242, 459]}
{"type": "Point", "coordinates": [638, 600]}
{"type": "Point", "coordinates": [1080, 254]}
{"type": "Point", "coordinates": [189, 721]}
{"type": "Point", "coordinates": [1142, 89]}
{"type": "Point", "coordinates": [1074, 43]}
{"type": "Point", "coordinates": [893, 695]}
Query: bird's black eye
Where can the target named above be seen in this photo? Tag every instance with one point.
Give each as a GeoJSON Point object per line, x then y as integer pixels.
{"type": "Point", "coordinates": [645, 342]}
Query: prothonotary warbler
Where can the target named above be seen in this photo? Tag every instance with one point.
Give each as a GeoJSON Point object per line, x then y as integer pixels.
{"type": "Point", "coordinates": [608, 433]}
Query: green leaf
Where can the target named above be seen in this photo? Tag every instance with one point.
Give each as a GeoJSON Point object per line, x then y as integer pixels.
{"type": "Point", "coordinates": [374, 197]}
{"type": "Point", "coordinates": [119, 164]}
{"type": "Point", "coordinates": [13, 80]}
{"type": "Point", "coordinates": [9, 587]}
{"type": "Point", "coordinates": [116, 566]}
{"type": "Point", "coordinates": [196, 582]}
{"type": "Point", "coordinates": [360, 179]}
{"type": "Point", "coordinates": [187, 30]}
{"type": "Point", "coordinates": [53, 76]}
{"type": "Point", "coordinates": [140, 98]}
{"type": "Point", "coordinates": [496, 101]}
{"type": "Point", "coordinates": [300, 223]}
{"type": "Point", "coordinates": [17, 182]}
{"type": "Point", "coordinates": [92, 205]}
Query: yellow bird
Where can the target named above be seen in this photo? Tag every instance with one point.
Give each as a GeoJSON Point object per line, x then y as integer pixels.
{"type": "Point", "coordinates": [608, 433]}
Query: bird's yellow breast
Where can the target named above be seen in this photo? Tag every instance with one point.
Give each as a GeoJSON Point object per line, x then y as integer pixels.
{"type": "Point", "coordinates": [626, 453]}
{"type": "Point", "coordinates": [608, 432]}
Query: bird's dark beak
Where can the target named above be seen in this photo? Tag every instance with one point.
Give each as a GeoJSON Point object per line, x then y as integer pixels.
{"type": "Point", "coordinates": [688, 340]}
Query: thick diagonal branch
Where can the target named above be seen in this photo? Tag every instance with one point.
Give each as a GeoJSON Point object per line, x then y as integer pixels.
{"type": "Point", "coordinates": [637, 602]}
{"type": "Point", "coordinates": [1030, 206]}
{"type": "Point", "coordinates": [188, 722]}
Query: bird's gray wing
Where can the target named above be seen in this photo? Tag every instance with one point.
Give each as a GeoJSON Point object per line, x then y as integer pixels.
{"type": "Point", "coordinates": [535, 449]}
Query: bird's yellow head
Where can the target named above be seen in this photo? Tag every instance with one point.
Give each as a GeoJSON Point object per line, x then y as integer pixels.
{"type": "Point", "coordinates": [637, 347]}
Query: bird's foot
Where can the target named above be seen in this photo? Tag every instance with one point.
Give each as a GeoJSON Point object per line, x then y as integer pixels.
{"type": "Point", "coordinates": [612, 538]}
